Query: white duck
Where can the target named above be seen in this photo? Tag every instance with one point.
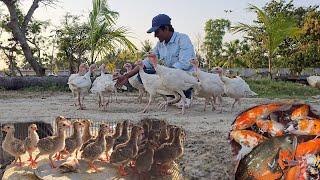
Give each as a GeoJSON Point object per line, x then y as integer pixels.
{"type": "Point", "coordinates": [82, 84]}
{"type": "Point", "coordinates": [211, 87]}
{"type": "Point", "coordinates": [173, 79]}
{"type": "Point", "coordinates": [153, 85]}
{"type": "Point", "coordinates": [83, 68]}
{"type": "Point", "coordinates": [135, 82]}
{"type": "Point", "coordinates": [235, 88]}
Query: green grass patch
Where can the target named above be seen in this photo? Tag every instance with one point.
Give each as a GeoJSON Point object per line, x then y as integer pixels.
{"type": "Point", "coordinates": [49, 88]}
{"type": "Point", "coordinates": [267, 88]}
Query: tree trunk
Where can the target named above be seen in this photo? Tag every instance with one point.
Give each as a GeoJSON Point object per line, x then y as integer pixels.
{"type": "Point", "coordinates": [14, 83]}
{"type": "Point", "coordinates": [19, 34]}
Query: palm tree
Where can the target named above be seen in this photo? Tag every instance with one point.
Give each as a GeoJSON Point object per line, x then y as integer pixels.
{"type": "Point", "coordinates": [103, 36]}
{"type": "Point", "coordinates": [146, 47]}
{"type": "Point", "coordinates": [270, 30]}
{"type": "Point", "coordinates": [232, 50]}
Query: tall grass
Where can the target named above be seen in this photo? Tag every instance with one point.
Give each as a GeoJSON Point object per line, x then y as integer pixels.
{"type": "Point", "coordinates": [267, 88]}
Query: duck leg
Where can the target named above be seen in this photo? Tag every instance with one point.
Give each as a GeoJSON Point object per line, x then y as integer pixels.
{"type": "Point", "coordinates": [94, 167]}
{"type": "Point", "coordinates": [147, 106]}
{"type": "Point", "coordinates": [16, 163]}
{"type": "Point", "coordinates": [99, 100]}
{"type": "Point", "coordinates": [213, 102]}
{"type": "Point", "coordinates": [33, 163]}
{"type": "Point", "coordinates": [183, 100]}
{"type": "Point", "coordinates": [53, 165]}
{"type": "Point", "coordinates": [79, 101]}
{"type": "Point", "coordinates": [30, 156]}
{"type": "Point", "coordinates": [107, 156]}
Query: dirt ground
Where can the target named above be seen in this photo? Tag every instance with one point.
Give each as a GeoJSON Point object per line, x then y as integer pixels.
{"type": "Point", "coordinates": [207, 152]}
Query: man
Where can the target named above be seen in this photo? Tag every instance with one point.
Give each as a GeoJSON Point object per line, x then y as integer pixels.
{"type": "Point", "coordinates": [173, 48]}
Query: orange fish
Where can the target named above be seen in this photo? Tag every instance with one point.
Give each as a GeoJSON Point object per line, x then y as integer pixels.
{"type": "Point", "coordinates": [309, 147]}
{"type": "Point", "coordinates": [304, 127]}
{"type": "Point", "coordinates": [249, 117]}
{"type": "Point", "coordinates": [272, 127]}
{"type": "Point", "coordinates": [300, 112]}
{"type": "Point", "coordinates": [293, 173]}
{"type": "Point", "coordinates": [247, 139]}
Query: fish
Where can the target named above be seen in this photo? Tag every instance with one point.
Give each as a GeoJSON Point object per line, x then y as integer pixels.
{"type": "Point", "coordinates": [267, 160]}
{"type": "Point", "coordinates": [307, 126]}
{"type": "Point", "coordinates": [248, 118]}
{"type": "Point", "coordinates": [309, 147]}
{"type": "Point", "coordinates": [272, 127]}
{"type": "Point", "coordinates": [301, 112]}
{"type": "Point", "coordinates": [247, 139]}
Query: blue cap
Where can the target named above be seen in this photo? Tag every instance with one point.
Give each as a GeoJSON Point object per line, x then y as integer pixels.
{"type": "Point", "coordinates": [158, 21]}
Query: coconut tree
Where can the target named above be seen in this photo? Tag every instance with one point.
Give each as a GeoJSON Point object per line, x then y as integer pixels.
{"type": "Point", "coordinates": [103, 36]}
{"type": "Point", "coordinates": [271, 31]}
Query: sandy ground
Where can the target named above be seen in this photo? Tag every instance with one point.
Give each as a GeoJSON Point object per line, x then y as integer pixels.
{"type": "Point", "coordinates": [207, 152]}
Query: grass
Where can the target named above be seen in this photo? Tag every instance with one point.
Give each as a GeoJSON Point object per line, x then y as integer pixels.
{"type": "Point", "coordinates": [267, 88]}
{"type": "Point", "coordinates": [49, 88]}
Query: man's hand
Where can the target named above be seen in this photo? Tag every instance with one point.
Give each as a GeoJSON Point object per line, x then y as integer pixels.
{"type": "Point", "coordinates": [121, 80]}
{"type": "Point", "coordinates": [152, 56]}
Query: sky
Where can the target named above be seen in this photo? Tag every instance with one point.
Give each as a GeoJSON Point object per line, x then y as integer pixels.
{"type": "Point", "coordinates": [188, 16]}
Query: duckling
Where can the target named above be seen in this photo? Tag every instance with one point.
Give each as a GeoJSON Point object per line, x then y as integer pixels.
{"type": "Point", "coordinates": [111, 139]}
{"type": "Point", "coordinates": [32, 140]}
{"type": "Point", "coordinates": [87, 134]}
{"type": "Point", "coordinates": [58, 120]}
{"type": "Point", "coordinates": [70, 166]}
{"type": "Point", "coordinates": [163, 133]}
{"type": "Point", "coordinates": [144, 160]}
{"type": "Point", "coordinates": [146, 129]}
{"type": "Point", "coordinates": [94, 150]}
{"type": "Point", "coordinates": [168, 152]}
{"type": "Point", "coordinates": [74, 142]}
{"type": "Point", "coordinates": [86, 131]}
{"type": "Point", "coordinates": [124, 153]}
{"type": "Point", "coordinates": [15, 147]}
{"type": "Point", "coordinates": [171, 134]}
{"type": "Point", "coordinates": [153, 136]}
{"type": "Point", "coordinates": [124, 135]}
{"type": "Point", "coordinates": [157, 124]}
{"type": "Point", "coordinates": [52, 144]}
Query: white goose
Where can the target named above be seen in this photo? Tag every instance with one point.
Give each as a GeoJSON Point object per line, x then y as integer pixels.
{"type": "Point", "coordinates": [82, 84]}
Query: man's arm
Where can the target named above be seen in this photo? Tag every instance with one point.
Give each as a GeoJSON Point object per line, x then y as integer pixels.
{"type": "Point", "coordinates": [123, 79]}
{"type": "Point", "coordinates": [186, 53]}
